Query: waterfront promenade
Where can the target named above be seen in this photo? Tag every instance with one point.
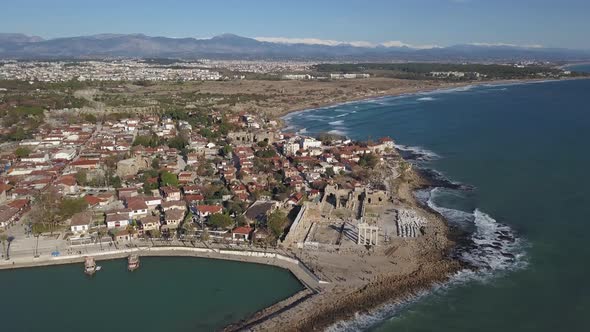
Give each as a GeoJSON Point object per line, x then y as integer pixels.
{"type": "Point", "coordinates": [76, 254]}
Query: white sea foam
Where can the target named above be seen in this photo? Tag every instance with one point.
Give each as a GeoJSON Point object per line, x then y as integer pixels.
{"type": "Point", "coordinates": [420, 152]}
{"type": "Point", "coordinates": [340, 132]}
{"type": "Point", "coordinates": [288, 128]}
{"type": "Point", "coordinates": [336, 123]}
{"type": "Point", "coordinates": [315, 117]}
{"type": "Point", "coordinates": [426, 99]}
{"type": "Point", "coordinates": [302, 131]}
{"type": "Point", "coordinates": [495, 249]}
{"type": "Point", "coordinates": [341, 115]}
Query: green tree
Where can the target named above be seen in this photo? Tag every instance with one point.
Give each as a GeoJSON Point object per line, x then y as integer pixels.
{"type": "Point", "coordinates": [18, 134]}
{"type": "Point", "coordinates": [81, 177]}
{"type": "Point", "coordinates": [147, 141]}
{"type": "Point", "coordinates": [89, 118]}
{"type": "Point", "coordinates": [226, 150]}
{"type": "Point", "coordinates": [241, 220]}
{"type": "Point", "coordinates": [70, 206]}
{"type": "Point", "coordinates": [156, 163]}
{"type": "Point", "coordinates": [22, 152]}
{"type": "Point", "coordinates": [368, 160]}
{"type": "Point", "coordinates": [115, 181]}
{"type": "Point", "coordinates": [220, 220]}
{"type": "Point", "coordinates": [330, 172]}
{"type": "Point", "coordinates": [277, 222]}
{"type": "Point", "coordinates": [178, 143]}
{"type": "Point", "coordinates": [168, 179]}
{"type": "Point", "coordinates": [45, 214]}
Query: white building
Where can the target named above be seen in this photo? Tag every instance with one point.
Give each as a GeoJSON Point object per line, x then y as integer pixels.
{"type": "Point", "coordinates": [67, 154]}
{"type": "Point", "coordinates": [118, 219]}
{"type": "Point", "coordinates": [308, 143]}
{"type": "Point", "coordinates": [80, 222]}
{"type": "Point", "coordinates": [290, 148]}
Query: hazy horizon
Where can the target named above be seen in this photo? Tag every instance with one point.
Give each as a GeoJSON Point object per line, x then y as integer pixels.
{"type": "Point", "coordinates": [400, 23]}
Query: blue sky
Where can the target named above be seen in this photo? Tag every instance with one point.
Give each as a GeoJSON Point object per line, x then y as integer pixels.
{"type": "Point", "coordinates": [551, 23]}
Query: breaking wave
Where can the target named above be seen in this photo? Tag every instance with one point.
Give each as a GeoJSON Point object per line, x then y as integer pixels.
{"type": "Point", "coordinates": [337, 132]}
{"type": "Point", "coordinates": [416, 153]}
{"type": "Point", "coordinates": [494, 248]}
{"type": "Point", "coordinates": [426, 99]}
{"type": "Point", "coordinates": [336, 123]}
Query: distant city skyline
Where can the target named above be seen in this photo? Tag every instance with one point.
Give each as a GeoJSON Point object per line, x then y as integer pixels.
{"type": "Point", "coordinates": [414, 23]}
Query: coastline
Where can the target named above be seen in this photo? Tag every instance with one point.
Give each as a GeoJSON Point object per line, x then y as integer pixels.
{"type": "Point", "coordinates": [410, 91]}
{"type": "Point", "coordinates": [346, 301]}
{"type": "Point", "coordinates": [341, 306]}
{"type": "Point", "coordinates": [342, 301]}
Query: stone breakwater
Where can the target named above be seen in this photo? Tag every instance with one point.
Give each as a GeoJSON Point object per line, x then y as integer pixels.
{"type": "Point", "coordinates": [378, 292]}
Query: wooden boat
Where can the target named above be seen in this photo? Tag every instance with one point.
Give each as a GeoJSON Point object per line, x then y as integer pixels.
{"type": "Point", "coordinates": [89, 266]}
{"type": "Point", "coordinates": [132, 262]}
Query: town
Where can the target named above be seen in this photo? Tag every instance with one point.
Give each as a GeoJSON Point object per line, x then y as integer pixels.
{"type": "Point", "coordinates": [233, 179]}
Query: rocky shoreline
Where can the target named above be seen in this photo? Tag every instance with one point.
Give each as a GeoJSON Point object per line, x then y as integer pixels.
{"type": "Point", "coordinates": [342, 301]}
{"type": "Point", "coordinates": [438, 264]}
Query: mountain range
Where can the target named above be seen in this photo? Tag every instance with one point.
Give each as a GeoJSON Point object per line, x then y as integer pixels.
{"type": "Point", "coordinates": [230, 46]}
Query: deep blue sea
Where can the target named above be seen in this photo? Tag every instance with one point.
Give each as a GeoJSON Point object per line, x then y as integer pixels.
{"type": "Point", "coordinates": [524, 150]}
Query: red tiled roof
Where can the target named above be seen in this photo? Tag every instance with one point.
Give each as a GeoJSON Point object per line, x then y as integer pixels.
{"type": "Point", "coordinates": [67, 180]}
{"type": "Point", "coordinates": [209, 208]}
{"type": "Point", "coordinates": [19, 203]}
{"type": "Point", "coordinates": [92, 200]}
{"type": "Point", "coordinates": [194, 198]}
{"type": "Point", "coordinates": [242, 230]}
{"type": "Point", "coordinates": [136, 203]}
{"type": "Point", "coordinates": [5, 187]}
{"type": "Point", "coordinates": [83, 162]}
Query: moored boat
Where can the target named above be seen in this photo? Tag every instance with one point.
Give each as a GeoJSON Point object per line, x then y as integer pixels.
{"type": "Point", "coordinates": [89, 265]}
{"type": "Point", "coordinates": [132, 262]}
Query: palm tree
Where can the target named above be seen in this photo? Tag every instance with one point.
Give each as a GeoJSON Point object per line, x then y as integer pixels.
{"type": "Point", "coordinates": [131, 230]}
{"type": "Point", "coordinates": [188, 227]}
{"type": "Point", "coordinates": [4, 239]}
{"type": "Point", "coordinates": [101, 232]}
{"type": "Point", "coordinates": [205, 235]}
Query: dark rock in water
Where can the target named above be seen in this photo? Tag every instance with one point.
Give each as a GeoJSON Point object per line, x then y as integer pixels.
{"type": "Point", "coordinates": [506, 238]}
{"type": "Point", "coordinates": [409, 155]}
{"type": "Point", "coordinates": [435, 179]}
{"type": "Point", "coordinates": [507, 254]}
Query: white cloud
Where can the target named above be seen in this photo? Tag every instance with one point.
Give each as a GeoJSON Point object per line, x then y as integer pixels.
{"type": "Point", "coordinates": [508, 45]}
{"type": "Point", "coordinates": [310, 41]}
{"type": "Point", "coordinates": [331, 42]}
{"type": "Point", "coordinates": [397, 43]}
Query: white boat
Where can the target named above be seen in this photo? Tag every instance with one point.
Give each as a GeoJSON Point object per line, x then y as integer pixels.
{"type": "Point", "coordinates": [132, 262]}
{"type": "Point", "coordinates": [89, 266]}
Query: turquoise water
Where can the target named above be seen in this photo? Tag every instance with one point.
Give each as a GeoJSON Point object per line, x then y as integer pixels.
{"type": "Point", "coordinates": [165, 294]}
{"type": "Point", "coordinates": [524, 149]}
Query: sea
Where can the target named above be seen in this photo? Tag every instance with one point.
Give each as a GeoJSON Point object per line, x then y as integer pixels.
{"type": "Point", "coordinates": [164, 294]}
{"type": "Point", "coordinates": [513, 165]}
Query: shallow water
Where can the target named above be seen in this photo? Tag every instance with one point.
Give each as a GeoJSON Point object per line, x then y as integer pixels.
{"type": "Point", "coordinates": [524, 149]}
